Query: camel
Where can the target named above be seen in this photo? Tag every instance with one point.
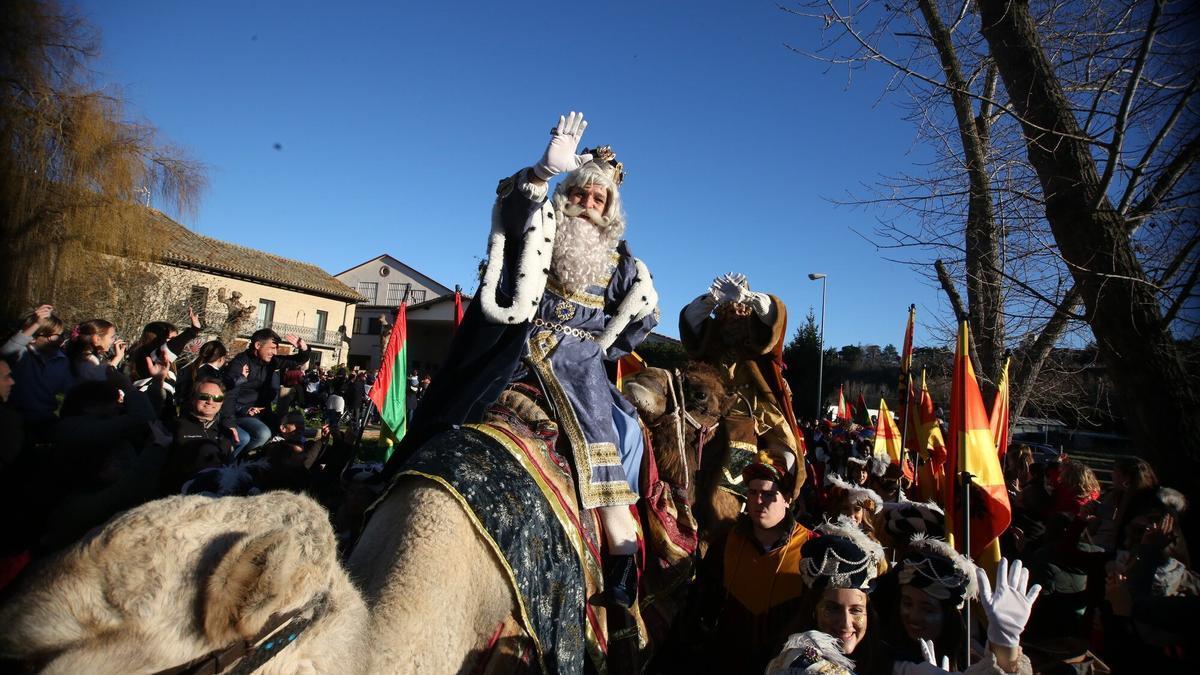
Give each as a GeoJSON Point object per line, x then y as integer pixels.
{"type": "Point", "coordinates": [440, 601]}
{"type": "Point", "coordinates": [175, 580]}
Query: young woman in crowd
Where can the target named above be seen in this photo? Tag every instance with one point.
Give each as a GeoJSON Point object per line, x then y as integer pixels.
{"type": "Point", "coordinates": [209, 364]}
{"type": "Point", "coordinates": [161, 344]}
{"type": "Point", "coordinates": [839, 570]}
{"type": "Point", "coordinates": [1077, 488]}
{"type": "Point", "coordinates": [1131, 476]}
{"type": "Point", "coordinates": [89, 350]}
{"type": "Point", "coordinates": [861, 505]}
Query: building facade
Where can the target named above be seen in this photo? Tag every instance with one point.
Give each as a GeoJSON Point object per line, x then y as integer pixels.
{"type": "Point", "coordinates": [384, 282]}
{"type": "Point", "coordinates": [237, 290]}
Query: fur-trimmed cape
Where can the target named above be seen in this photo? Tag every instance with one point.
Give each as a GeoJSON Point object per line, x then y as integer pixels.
{"type": "Point", "coordinates": [489, 344]}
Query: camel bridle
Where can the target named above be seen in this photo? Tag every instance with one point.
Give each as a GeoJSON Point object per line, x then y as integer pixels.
{"type": "Point", "coordinates": [246, 656]}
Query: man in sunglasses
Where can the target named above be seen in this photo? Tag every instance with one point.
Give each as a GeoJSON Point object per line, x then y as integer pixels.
{"type": "Point", "coordinates": [202, 418]}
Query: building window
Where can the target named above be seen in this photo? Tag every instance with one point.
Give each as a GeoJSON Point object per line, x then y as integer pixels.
{"type": "Point", "coordinates": [415, 297]}
{"type": "Point", "coordinates": [198, 301]}
{"type": "Point", "coordinates": [266, 312]}
{"type": "Point", "coordinates": [322, 324]}
{"type": "Point", "coordinates": [358, 325]}
{"type": "Point", "coordinates": [396, 293]}
{"type": "Point", "coordinates": [374, 326]}
{"type": "Point", "coordinates": [369, 290]}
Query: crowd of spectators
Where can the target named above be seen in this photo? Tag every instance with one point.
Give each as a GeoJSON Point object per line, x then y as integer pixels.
{"type": "Point", "coordinates": [1092, 580]}
{"type": "Point", "coordinates": [91, 425]}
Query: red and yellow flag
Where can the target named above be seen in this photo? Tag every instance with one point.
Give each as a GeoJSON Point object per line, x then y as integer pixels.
{"type": "Point", "coordinates": [628, 366]}
{"type": "Point", "coordinates": [843, 411]}
{"type": "Point", "coordinates": [972, 451]}
{"type": "Point", "coordinates": [887, 435]}
{"type": "Point", "coordinates": [999, 416]}
{"type": "Point", "coordinates": [931, 447]}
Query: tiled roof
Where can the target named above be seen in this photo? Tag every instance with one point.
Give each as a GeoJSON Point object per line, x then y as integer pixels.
{"type": "Point", "coordinates": [189, 249]}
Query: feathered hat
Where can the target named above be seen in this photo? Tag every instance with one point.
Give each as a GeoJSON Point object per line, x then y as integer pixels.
{"type": "Point", "coordinates": [841, 557]}
{"type": "Point", "coordinates": [935, 567]}
{"type": "Point", "coordinates": [764, 467]}
{"type": "Point", "coordinates": [904, 520]}
{"type": "Point", "coordinates": [811, 653]}
{"type": "Point", "coordinates": [856, 494]}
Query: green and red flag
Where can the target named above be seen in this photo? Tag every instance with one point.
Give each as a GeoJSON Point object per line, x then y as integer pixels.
{"type": "Point", "coordinates": [862, 416]}
{"type": "Point", "coordinates": [999, 416]}
{"type": "Point", "coordinates": [973, 452]}
{"type": "Point", "coordinates": [390, 391]}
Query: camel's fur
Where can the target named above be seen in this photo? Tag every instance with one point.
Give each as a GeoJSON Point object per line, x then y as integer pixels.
{"type": "Point", "coordinates": [174, 579]}
{"type": "Point", "coordinates": [435, 589]}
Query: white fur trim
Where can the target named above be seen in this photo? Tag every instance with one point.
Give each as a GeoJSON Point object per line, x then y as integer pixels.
{"type": "Point", "coordinates": [532, 269]}
{"type": "Point", "coordinates": [1173, 499]}
{"type": "Point", "coordinates": [639, 302]}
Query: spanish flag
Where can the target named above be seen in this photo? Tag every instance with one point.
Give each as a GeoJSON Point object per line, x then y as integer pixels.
{"type": "Point", "coordinates": [972, 451]}
{"type": "Point", "coordinates": [932, 448]}
{"type": "Point", "coordinates": [999, 416]}
{"type": "Point", "coordinates": [628, 366]}
{"type": "Point", "coordinates": [887, 436]}
{"type": "Point", "coordinates": [843, 411]}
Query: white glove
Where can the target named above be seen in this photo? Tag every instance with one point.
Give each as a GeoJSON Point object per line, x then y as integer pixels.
{"type": "Point", "coordinates": [759, 302]}
{"type": "Point", "coordinates": [730, 288]}
{"type": "Point", "coordinates": [1008, 608]}
{"type": "Point", "coordinates": [560, 154]}
{"type": "Point", "coordinates": [930, 655]}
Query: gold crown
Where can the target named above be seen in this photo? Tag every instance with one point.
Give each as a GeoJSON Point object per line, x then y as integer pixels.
{"type": "Point", "coordinates": [604, 157]}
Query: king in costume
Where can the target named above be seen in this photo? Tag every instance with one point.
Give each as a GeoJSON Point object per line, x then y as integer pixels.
{"type": "Point", "coordinates": [560, 295]}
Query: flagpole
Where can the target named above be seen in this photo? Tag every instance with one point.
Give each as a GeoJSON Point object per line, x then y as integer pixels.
{"type": "Point", "coordinates": [966, 516]}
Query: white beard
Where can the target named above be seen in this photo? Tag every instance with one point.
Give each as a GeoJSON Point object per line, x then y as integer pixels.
{"type": "Point", "coordinates": [582, 252]}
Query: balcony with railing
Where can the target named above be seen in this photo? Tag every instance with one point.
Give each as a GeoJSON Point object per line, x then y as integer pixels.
{"type": "Point", "coordinates": [310, 334]}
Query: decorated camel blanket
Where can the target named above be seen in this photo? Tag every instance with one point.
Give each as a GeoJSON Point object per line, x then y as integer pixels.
{"type": "Point", "coordinates": [520, 497]}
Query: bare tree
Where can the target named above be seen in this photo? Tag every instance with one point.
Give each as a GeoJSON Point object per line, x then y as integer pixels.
{"type": "Point", "coordinates": [980, 205]}
{"type": "Point", "coordinates": [74, 172]}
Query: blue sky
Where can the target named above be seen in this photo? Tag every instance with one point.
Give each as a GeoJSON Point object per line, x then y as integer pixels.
{"type": "Point", "coordinates": [396, 120]}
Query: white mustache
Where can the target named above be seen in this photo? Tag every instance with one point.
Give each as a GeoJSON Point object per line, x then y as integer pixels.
{"type": "Point", "coordinates": [591, 215]}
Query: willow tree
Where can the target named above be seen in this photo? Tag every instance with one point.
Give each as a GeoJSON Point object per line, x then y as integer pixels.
{"type": "Point", "coordinates": [76, 175]}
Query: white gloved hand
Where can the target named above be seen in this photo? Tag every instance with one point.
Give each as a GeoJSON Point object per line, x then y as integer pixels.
{"type": "Point", "coordinates": [930, 654]}
{"type": "Point", "coordinates": [759, 302]}
{"type": "Point", "coordinates": [730, 288]}
{"type": "Point", "coordinates": [1007, 608]}
{"type": "Point", "coordinates": [560, 154]}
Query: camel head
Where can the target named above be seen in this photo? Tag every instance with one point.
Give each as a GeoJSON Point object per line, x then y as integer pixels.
{"type": "Point", "coordinates": [179, 578]}
{"type": "Point", "coordinates": [705, 394]}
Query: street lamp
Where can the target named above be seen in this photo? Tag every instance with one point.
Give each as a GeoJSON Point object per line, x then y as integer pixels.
{"type": "Point", "coordinates": [821, 355]}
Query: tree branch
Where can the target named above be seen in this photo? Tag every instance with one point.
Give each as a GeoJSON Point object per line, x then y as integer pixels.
{"type": "Point", "coordinates": [1175, 170]}
{"type": "Point", "coordinates": [1118, 140]}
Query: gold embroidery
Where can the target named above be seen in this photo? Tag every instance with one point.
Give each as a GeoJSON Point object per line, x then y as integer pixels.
{"type": "Point", "coordinates": [744, 447]}
{"type": "Point", "coordinates": [583, 298]}
{"type": "Point", "coordinates": [604, 453]}
{"type": "Point", "coordinates": [591, 494]}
